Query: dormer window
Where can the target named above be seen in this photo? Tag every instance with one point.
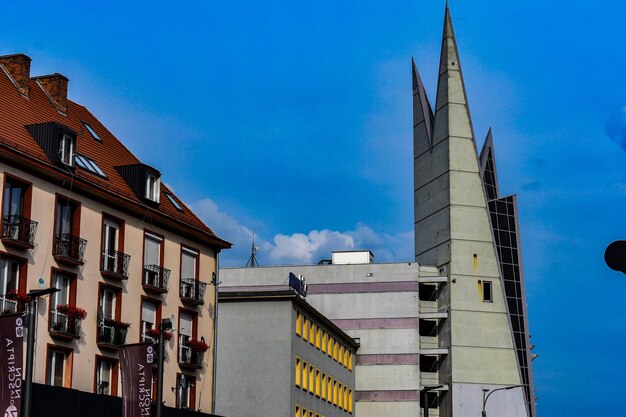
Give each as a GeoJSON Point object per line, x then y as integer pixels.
{"type": "Point", "coordinates": [66, 149]}
{"type": "Point", "coordinates": [153, 187]}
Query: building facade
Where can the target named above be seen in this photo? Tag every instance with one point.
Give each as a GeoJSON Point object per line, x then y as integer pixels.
{"type": "Point", "coordinates": [81, 213]}
{"type": "Point", "coordinates": [376, 304]}
{"type": "Point", "coordinates": [464, 229]}
{"type": "Point", "coordinates": [278, 356]}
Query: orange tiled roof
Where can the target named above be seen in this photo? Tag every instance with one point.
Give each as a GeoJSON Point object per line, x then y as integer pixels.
{"type": "Point", "coordinates": [17, 111]}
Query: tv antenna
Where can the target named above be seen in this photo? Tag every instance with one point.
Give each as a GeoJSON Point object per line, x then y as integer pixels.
{"type": "Point", "coordinates": [252, 261]}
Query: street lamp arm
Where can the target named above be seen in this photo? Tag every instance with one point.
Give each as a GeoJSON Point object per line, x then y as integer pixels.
{"type": "Point", "coordinates": [497, 389]}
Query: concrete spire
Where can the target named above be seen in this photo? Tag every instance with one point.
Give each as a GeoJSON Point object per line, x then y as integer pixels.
{"type": "Point", "coordinates": [488, 170]}
{"type": "Point", "coordinates": [422, 115]}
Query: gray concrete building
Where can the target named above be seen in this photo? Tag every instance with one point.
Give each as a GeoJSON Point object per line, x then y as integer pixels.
{"type": "Point", "coordinates": [278, 356]}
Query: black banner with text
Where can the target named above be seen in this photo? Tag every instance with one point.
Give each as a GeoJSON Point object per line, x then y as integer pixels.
{"type": "Point", "coordinates": [11, 360]}
{"type": "Point", "coordinates": [136, 367]}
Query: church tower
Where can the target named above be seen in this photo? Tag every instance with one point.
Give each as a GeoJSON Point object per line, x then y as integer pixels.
{"type": "Point", "coordinates": [453, 230]}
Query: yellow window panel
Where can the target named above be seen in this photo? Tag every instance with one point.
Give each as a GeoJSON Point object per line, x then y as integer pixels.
{"type": "Point", "coordinates": [298, 372]}
{"type": "Point", "coordinates": [305, 375]}
{"type": "Point", "coordinates": [336, 350]}
{"type": "Point", "coordinates": [305, 330]}
{"type": "Point", "coordinates": [345, 398]}
{"type": "Point", "coordinates": [311, 379]}
{"type": "Point", "coordinates": [312, 333]}
{"type": "Point", "coordinates": [318, 338]}
{"type": "Point", "coordinates": [350, 361]}
{"type": "Point", "coordinates": [298, 411]}
{"type": "Point", "coordinates": [323, 392]}
{"type": "Point", "coordinates": [340, 393]}
{"type": "Point", "coordinates": [324, 340]}
{"type": "Point", "coordinates": [318, 382]}
{"type": "Point", "coordinates": [329, 389]}
{"type": "Point", "coordinates": [298, 323]}
{"type": "Point", "coordinates": [350, 402]}
{"type": "Point", "coordinates": [340, 360]}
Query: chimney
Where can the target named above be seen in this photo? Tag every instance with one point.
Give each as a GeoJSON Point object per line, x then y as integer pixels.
{"type": "Point", "coordinates": [18, 67]}
{"type": "Point", "coordinates": [55, 85]}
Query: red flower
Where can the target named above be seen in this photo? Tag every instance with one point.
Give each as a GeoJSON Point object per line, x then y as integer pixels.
{"type": "Point", "coordinates": [198, 345]}
{"type": "Point", "coordinates": [17, 295]}
{"type": "Point", "coordinates": [72, 311]}
{"type": "Point", "coordinates": [154, 334]}
{"type": "Point", "coordinates": [116, 323]}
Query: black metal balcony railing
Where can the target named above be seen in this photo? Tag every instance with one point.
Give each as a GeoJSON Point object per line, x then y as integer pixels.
{"type": "Point", "coordinates": [69, 248]}
{"type": "Point", "coordinates": [19, 230]}
{"type": "Point", "coordinates": [63, 325]}
{"type": "Point", "coordinates": [190, 357]}
{"type": "Point", "coordinates": [156, 277]}
{"type": "Point", "coordinates": [111, 335]}
{"type": "Point", "coordinates": [192, 290]}
{"type": "Point", "coordinates": [115, 263]}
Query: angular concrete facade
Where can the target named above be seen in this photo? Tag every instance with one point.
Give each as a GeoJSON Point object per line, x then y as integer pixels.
{"type": "Point", "coordinates": [453, 232]}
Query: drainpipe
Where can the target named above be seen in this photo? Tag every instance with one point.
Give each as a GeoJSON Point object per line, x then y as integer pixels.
{"type": "Point", "coordinates": [216, 283]}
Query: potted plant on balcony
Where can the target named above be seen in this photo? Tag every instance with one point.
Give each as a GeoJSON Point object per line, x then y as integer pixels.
{"type": "Point", "coordinates": [21, 299]}
{"type": "Point", "coordinates": [120, 328]}
{"type": "Point", "coordinates": [72, 312]}
{"type": "Point", "coordinates": [72, 315]}
{"type": "Point", "coordinates": [154, 335]}
{"type": "Point", "coordinates": [199, 346]}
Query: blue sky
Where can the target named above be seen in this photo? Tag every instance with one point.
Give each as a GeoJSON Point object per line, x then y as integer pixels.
{"type": "Point", "coordinates": [293, 119]}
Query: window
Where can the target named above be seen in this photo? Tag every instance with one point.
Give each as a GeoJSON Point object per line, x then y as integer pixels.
{"type": "Point", "coordinates": [106, 376]}
{"type": "Point", "coordinates": [323, 391]}
{"type": "Point", "coordinates": [312, 333]}
{"type": "Point", "coordinates": [153, 187]}
{"type": "Point", "coordinates": [336, 351]}
{"type": "Point", "coordinates": [324, 340]}
{"type": "Point", "coordinates": [298, 372]}
{"type": "Point", "coordinates": [428, 363]}
{"type": "Point", "coordinates": [318, 382]}
{"type": "Point", "coordinates": [150, 315]}
{"type": "Point", "coordinates": [350, 401]}
{"type": "Point", "coordinates": [60, 322]}
{"type": "Point", "coordinates": [185, 392]}
{"type": "Point", "coordinates": [16, 225]}
{"type": "Point", "coordinates": [329, 389]}
{"type": "Point", "coordinates": [155, 275]}
{"type": "Point", "coordinates": [329, 350]}
{"type": "Point", "coordinates": [305, 375]}
{"type": "Point", "coordinates": [350, 361]}
{"type": "Point", "coordinates": [175, 203]}
{"type": "Point", "coordinates": [311, 379]}
{"type": "Point", "coordinates": [59, 367]}
{"type": "Point", "coordinates": [427, 292]}
{"type": "Point", "coordinates": [66, 149]}
{"type": "Point", "coordinates": [340, 394]}
{"type": "Point", "coordinates": [89, 164]}
{"type": "Point", "coordinates": [305, 331]}
{"type": "Point", "coordinates": [92, 132]}
{"type": "Point", "coordinates": [318, 337]}
{"type": "Point", "coordinates": [114, 261]}
{"type": "Point", "coordinates": [190, 287]}
{"type": "Point", "coordinates": [109, 306]}
{"type": "Point", "coordinates": [298, 323]}
{"type": "Point", "coordinates": [335, 392]}
{"type": "Point", "coordinates": [68, 245]}
{"type": "Point", "coordinates": [297, 413]}
{"type": "Point", "coordinates": [487, 291]}
{"type": "Point", "coordinates": [187, 329]}
{"type": "Point", "coordinates": [10, 271]}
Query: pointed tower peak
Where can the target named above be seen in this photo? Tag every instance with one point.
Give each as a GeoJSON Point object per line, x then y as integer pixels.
{"type": "Point", "coordinates": [488, 169]}
{"type": "Point", "coordinates": [422, 114]}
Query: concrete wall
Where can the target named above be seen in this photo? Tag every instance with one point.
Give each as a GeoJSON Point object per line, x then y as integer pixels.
{"type": "Point", "coordinates": [254, 372]}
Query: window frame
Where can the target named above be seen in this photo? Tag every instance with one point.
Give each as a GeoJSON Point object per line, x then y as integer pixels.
{"type": "Point", "coordinates": [487, 291]}
{"type": "Point", "coordinates": [75, 207]}
{"type": "Point", "coordinates": [22, 276]}
{"type": "Point", "coordinates": [157, 314]}
{"type": "Point", "coordinates": [194, 328]}
{"type": "Point", "coordinates": [68, 359]}
{"type": "Point", "coordinates": [63, 154]}
{"type": "Point", "coordinates": [191, 395]}
{"type": "Point", "coordinates": [152, 190]}
{"type": "Point", "coordinates": [114, 382]}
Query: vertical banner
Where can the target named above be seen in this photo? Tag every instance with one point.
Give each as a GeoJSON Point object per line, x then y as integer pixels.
{"type": "Point", "coordinates": [136, 367]}
{"type": "Point", "coordinates": [11, 360]}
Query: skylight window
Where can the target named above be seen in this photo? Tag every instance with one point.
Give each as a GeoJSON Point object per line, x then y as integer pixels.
{"type": "Point", "coordinates": [92, 132]}
{"type": "Point", "coordinates": [174, 202]}
{"type": "Point", "coordinates": [89, 165]}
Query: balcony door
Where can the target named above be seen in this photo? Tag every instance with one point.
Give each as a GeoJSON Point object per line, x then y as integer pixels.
{"type": "Point", "coordinates": [148, 319]}
{"type": "Point", "coordinates": [185, 333]}
{"type": "Point", "coordinates": [13, 199]}
{"type": "Point", "coordinates": [63, 224]}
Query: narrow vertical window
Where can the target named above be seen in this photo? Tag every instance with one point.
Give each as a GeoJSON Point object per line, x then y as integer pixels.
{"type": "Point", "coordinates": [487, 291]}
{"type": "Point", "coordinates": [305, 376]}
{"type": "Point", "coordinates": [66, 149]}
{"type": "Point", "coordinates": [312, 333]}
{"type": "Point", "coordinates": [311, 379]}
{"type": "Point", "coordinates": [298, 323]}
{"type": "Point", "coordinates": [318, 337]}
{"type": "Point", "coordinates": [305, 331]}
{"type": "Point", "coordinates": [298, 372]}
{"type": "Point", "coordinates": [318, 382]}
{"type": "Point", "coordinates": [9, 285]}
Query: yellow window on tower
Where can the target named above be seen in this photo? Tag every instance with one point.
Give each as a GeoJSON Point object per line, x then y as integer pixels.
{"type": "Point", "coordinates": [305, 329]}
{"type": "Point", "coordinates": [298, 372]}
{"type": "Point", "coordinates": [336, 351]}
{"type": "Point", "coordinates": [324, 340]}
{"type": "Point", "coordinates": [311, 379]}
{"type": "Point", "coordinates": [310, 413]}
{"type": "Point", "coordinates": [305, 375]}
{"type": "Point", "coordinates": [323, 392]}
{"type": "Point", "coordinates": [318, 382]}
{"type": "Point", "coordinates": [329, 351]}
{"type": "Point", "coordinates": [345, 357]}
{"type": "Point", "coordinates": [318, 338]}
{"type": "Point", "coordinates": [297, 414]}
{"type": "Point", "coordinates": [312, 333]}
{"type": "Point", "coordinates": [304, 413]}
{"type": "Point", "coordinates": [340, 360]}
{"type": "Point", "coordinates": [350, 361]}
{"type": "Point", "coordinates": [317, 415]}
{"type": "Point", "coordinates": [335, 392]}
{"type": "Point", "coordinates": [298, 323]}
{"type": "Point", "coordinates": [350, 402]}
{"type": "Point", "coordinates": [345, 398]}
{"type": "Point", "coordinates": [340, 393]}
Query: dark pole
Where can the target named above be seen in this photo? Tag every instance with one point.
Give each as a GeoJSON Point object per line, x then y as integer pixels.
{"type": "Point", "coordinates": [426, 403]}
{"type": "Point", "coordinates": [159, 404]}
{"type": "Point", "coordinates": [30, 348]}
{"type": "Point", "coordinates": [33, 295]}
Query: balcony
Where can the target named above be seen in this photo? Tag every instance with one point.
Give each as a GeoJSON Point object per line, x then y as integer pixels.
{"type": "Point", "coordinates": [114, 264]}
{"type": "Point", "coordinates": [9, 304]}
{"type": "Point", "coordinates": [192, 291]}
{"type": "Point", "coordinates": [18, 231]}
{"type": "Point", "coordinates": [190, 358]}
{"type": "Point", "coordinates": [155, 278]}
{"type": "Point", "coordinates": [64, 326]}
{"type": "Point", "coordinates": [69, 249]}
{"type": "Point", "coordinates": [112, 334]}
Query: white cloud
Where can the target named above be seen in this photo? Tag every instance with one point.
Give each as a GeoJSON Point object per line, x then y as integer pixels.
{"type": "Point", "coordinates": [301, 248]}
